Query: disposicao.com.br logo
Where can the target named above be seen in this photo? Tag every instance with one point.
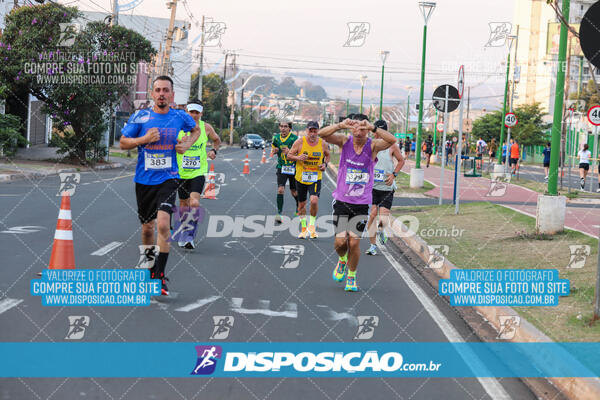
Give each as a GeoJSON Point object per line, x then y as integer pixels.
{"type": "Point", "coordinates": [289, 364]}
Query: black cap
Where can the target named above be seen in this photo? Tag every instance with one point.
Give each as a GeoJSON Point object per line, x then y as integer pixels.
{"type": "Point", "coordinates": [312, 124]}
{"type": "Point", "coordinates": [381, 124]}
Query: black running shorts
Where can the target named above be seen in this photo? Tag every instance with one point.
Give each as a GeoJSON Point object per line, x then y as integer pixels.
{"type": "Point", "coordinates": [151, 198]}
{"type": "Point", "coordinates": [314, 189]}
{"type": "Point", "coordinates": [187, 186]}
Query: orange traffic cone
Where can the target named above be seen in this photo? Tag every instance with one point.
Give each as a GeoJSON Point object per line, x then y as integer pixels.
{"type": "Point", "coordinates": [263, 160]}
{"type": "Point", "coordinates": [210, 191]}
{"type": "Point", "coordinates": [246, 170]}
{"type": "Point", "coordinates": [63, 255]}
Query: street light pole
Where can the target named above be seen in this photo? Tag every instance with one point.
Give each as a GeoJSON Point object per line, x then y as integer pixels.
{"type": "Point", "coordinates": [384, 55]}
{"type": "Point", "coordinates": [363, 79]}
{"type": "Point", "coordinates": [499, 151]}
{"type": "Point", "coordinates": [426, 9]}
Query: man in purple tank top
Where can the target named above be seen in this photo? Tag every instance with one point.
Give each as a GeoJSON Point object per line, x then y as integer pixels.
{"type": "Point", "coordinates": [353, 194]}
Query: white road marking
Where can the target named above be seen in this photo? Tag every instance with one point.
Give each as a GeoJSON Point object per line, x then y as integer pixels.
{"type": "Point", "coordinates": [198, 304]}
{"type": "Point", "coordinates": [7, 303]}
{"type": "Point", "coordinates": [291, 308]}
{"type": "Point", "coordinates": [109, 247]}
{"type": "Point", "coordinates": [490, 385]}
{"type": "Point", "coordinates": [23, 229]}
{"type": "Point", "coordinates": [9, 195]}
{"type": "Point", "coordinates": [162, 306]}
{"type": "Point", "coordinates": [336, 316]}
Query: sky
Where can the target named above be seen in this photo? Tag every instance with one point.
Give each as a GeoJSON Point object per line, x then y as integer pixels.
{"type": "Point", "coordinates": [274, 34]}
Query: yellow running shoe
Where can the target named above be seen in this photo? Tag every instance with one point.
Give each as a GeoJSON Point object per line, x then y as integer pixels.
{"type": "Point", "coordinates": [303, 233]}
{"type": "Point", "coordinates": [351, 284]}
{"type": "Point", "coordinates": [339, 271]}
{"type": "Point", "coordinates": [313, 232]}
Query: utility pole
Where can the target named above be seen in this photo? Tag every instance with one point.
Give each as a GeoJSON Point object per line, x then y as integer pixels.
{"type": "Point", "coordinates": [114, 20]}
{"type": "Point", "coordinates": [469, 109]}
{"type": "Point", "coordinates": [201, 61]}
{"type": "Point", "coordinates": [242, 106]}
{"type": "Point", "coordinates": [167, 59]}
{"type": "Point", "coordinates": [558, 104]}
{"type": "Point", "coordinates": [563, 133]}
{"type": "Point", "coordinates": [232, 114]}
{"type": "Point", "coordinates": [223, 88]}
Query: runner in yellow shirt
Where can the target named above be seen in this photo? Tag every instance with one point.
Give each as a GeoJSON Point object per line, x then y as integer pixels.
{"type": "Point", "coordinates": [311, 154]}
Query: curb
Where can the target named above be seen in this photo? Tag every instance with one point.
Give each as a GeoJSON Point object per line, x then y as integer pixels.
{"type": "Point", "coordinates": [34, 175]}
{"type": "Point", "coordinates": [572, 388]}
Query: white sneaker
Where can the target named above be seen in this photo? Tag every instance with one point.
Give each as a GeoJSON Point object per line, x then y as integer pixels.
{"type": "Point", "coordinates": [189, 246]}
{"type": "Point", "coordinates": [181, 244]}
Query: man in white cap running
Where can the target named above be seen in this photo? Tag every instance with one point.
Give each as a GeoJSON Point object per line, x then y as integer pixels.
{"type": "Point", "coordinates": [193, 164]}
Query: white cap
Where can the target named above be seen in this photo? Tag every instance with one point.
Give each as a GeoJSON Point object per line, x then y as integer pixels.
{"type": "Point", "coordinates": [194, 107]}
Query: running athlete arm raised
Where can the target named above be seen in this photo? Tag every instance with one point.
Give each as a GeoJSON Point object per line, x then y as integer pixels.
{"type": "Point", "coordinates": [326, 156]}
{"type": "Point", "coordinates": [187, 141]}
{"type": "Point", "coordinates": [292, 153]}
{"type": "Point", "coordinates": [127, 143]}
{"type": "Point", "coordinates": [395, 152]}
{"type": "Point", "coordinates": [328, 133]}
{"type": "Point", "coordinates": [216, 140]}
{"type": "Point", "coordinates": [385, 141]}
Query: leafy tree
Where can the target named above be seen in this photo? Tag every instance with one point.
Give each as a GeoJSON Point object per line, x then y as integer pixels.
{"type": "Point", "coordinates": [214, 89]}
{"type": "Point", "coordinates": [79, 82]}
{"type": "Point", "coordinates": [589, 93]}
{"type": "Point", "coordinates": [313, 92]}
{"type": "Point", "coordinates": [530, 131]}
{"type": "Point", "coordinates": [268, 84]}
{"type": "Point", "coordinates": [10, 137]}
{"type": "Point", "coordinates": [266, 127]}
{"type": "Point", "coordinates": [287, 87]}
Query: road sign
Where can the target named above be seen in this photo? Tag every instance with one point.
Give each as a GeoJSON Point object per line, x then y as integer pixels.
{"type": "Point", "coordinates": [461, 80]}
{"type": "Point", "coordinates": [439, 98]}
{"type": "Point", "coordinates": [440, 127]}
{"type": "Point", "coordinates": [510, 120]}
{"type": "Point", "coordinates": [594, 115]}
{"type": "Point", "coordinates": [468, 125]}
{"type": "Point", "coordinates": [588, 34]}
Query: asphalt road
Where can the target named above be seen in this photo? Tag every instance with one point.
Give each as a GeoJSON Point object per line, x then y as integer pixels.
{"type": "Point", "coordinates": [238, 277]}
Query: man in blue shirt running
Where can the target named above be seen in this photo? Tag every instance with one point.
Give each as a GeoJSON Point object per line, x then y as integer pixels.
{"type": "Point", "coordinates": [546, 152]}
{"type": "Point", "coordinates": [154, 133]}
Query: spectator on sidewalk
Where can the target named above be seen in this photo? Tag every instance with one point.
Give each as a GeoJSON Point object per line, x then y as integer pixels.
{"type": "Point", "coordinates": [546, 153]}
{"type": "Point", "coordinates": [493, 147]}
{"type": "Point", "coordinates": [514, 156]}
{"type": "Point", "coordinates": [448, 151]}
{"type": "Point", "coordinates": [584, 164]}
{"type": "Point", "coordinates": [503, 158]}
{"type": "Point", "coordinates": [406, 148]}
{"type": "Point", "coordinates": [479, 149]}
{"type": "Point", "coordinates": [413, 146]}
{"type": "Point", "coordinates": [428, 149]}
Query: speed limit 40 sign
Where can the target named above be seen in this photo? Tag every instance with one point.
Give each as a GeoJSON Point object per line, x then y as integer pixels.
{"type": "Point", "coordinates": [594, 115]}
{"type": "Point", "coordinates": [510, 120]}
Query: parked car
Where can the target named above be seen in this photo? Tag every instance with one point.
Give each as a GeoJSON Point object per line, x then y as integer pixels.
{"type": "Point", "coordinates": [252, 140]}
